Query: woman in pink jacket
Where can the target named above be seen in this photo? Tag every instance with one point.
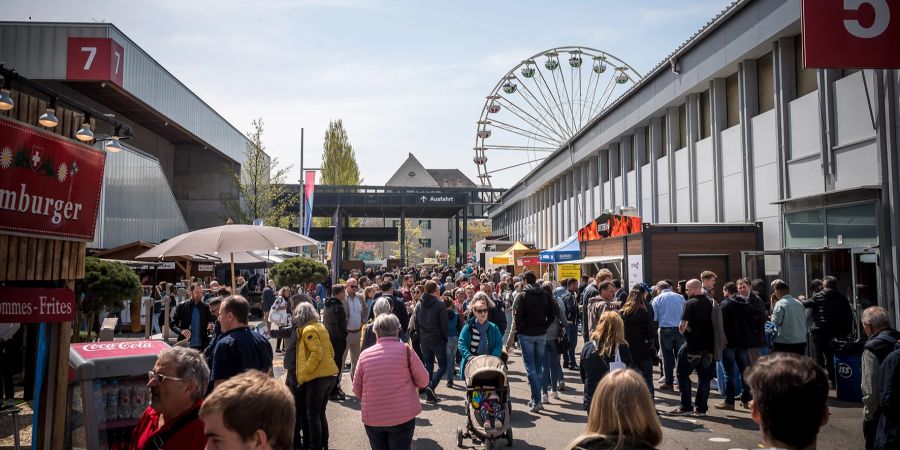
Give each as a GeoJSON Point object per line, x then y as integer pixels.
{"type": "Point", "coordinates": [388, 377]}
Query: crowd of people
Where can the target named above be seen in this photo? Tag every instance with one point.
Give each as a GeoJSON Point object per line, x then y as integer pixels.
{"type": "Point", "coordinates": [399, 334]}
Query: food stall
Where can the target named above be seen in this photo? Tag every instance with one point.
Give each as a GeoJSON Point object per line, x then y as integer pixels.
{"type": "Point", "coordinates": [645, 252]}
{"type": "Point", "coordinates": [107, 391]}
{"type": "Point", "coordinates": [50, 187]}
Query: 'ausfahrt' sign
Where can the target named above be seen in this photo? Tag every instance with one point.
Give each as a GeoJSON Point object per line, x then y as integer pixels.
{"type": "Point", "coordinates": [49, 185]}
{"type": "Point", "coordinates": [34, 305]}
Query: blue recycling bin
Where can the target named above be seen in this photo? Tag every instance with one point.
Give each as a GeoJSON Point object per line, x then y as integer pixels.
{"type": "Point", "coordinates": [848, 371]}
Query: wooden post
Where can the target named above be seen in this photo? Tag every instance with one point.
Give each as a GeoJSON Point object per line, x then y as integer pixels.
{"type": "Point", "coordinates": [148, 320]}
{"type": "Point", "coordinates": [166, 319]}
{"type": "Point", "coordinates": [232, 274]}
{"type": "Point", "coordinates": [58, 383]}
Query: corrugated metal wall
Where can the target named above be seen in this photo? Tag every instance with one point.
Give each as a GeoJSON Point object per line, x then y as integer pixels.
{"type": "Point", "coordinates": [137, 202]}
{"type": "Point", "coordinates": [38, 51]}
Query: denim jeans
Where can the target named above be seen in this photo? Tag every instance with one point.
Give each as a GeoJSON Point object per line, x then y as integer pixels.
{"type": "Point", "coordinates": [551, 371]}
{"type": "Point", "coordinates": [646, 370]}
{"type": "Point", "coordinates": [572, 337]}
{"type": "Point", "coordinates": [702, 362]}
{"type": "Point", "coordinates": [452, 343]}
{"type": "Point", "coordinates": [313, 420]}
{"type": "Point", "coordinates": [397, 437]}
{"type": "Point", "coordinates": [431, 353]}
{"type": "Point", "coordinates": [736, 361]}
{"type": "Point", "coordinates": [532, 355]}
{"type": "Point", "coordinates": [155, 324]}
{"type": "Point", "coordinates": [670, 342]}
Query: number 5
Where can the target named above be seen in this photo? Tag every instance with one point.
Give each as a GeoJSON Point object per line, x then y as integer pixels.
{"type": "Point", "coordinates": [882, 18]}
{"type": "Point", "coordinates": [92, 51]}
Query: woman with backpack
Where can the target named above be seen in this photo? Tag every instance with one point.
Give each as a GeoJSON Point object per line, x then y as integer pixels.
{"type": "Point", "coordinates": [607, 350]}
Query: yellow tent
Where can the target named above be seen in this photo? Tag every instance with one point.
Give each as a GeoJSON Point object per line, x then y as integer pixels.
{"type": "Point", "coordinates": [506, 258]}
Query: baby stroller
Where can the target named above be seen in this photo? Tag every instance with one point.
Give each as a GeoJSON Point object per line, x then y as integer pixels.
{"type": "Point", "coordinates": [488, 405]}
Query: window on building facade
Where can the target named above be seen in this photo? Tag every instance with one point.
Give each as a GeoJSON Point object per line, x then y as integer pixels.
{"type": "Point", "coordinates": [425, 243]}
{"type": "Point", "coordinates": [705, 115]}
{"type": "Point", "coordinates": [765, 83]}
{"type": "Point", "coordinates": [806, 78]}
{"type": "Point", "coordinates": [425, 224]}
{"type": "Point", "coordinates": [682, 126]}
{"type": "Point", "coordinates": [604, 165]}
{"type": "Point", "coordinates": [732, 101]}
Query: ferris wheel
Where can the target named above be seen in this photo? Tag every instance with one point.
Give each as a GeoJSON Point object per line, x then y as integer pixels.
{"type": "Point", "coordinates": [541, 103]}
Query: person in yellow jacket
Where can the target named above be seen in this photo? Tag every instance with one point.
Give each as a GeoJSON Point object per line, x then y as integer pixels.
{"type": "Point", "coordinates": [316, 375]}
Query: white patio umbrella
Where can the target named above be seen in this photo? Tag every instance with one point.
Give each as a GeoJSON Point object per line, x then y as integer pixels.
{"type": "Point", "coordinates": [226, 240]}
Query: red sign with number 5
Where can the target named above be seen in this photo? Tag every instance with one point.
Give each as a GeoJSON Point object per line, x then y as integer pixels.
{"type": "Point", "coordinates": [95, 59]}
{"type": "Point", "coordinates": [841, 34]}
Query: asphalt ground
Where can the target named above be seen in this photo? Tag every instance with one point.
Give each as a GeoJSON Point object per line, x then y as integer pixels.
{"type": "Point", "coordinates": [564, 419]}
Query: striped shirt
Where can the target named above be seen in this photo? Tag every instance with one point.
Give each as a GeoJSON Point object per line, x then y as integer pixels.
{"type": "Point", "coordinates": [476, 339]}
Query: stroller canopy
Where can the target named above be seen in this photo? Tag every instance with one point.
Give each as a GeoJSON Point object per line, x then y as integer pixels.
{"type": "Point", "coordinates": [485, 370]}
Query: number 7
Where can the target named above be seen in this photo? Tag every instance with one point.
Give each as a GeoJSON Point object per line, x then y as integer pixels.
{"type": "Point", "coordinates": [92, 51]}
{"type": "Point", "coordinates": [118, 58]}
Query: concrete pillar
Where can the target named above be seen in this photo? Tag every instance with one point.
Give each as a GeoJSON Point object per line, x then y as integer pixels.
{"type": "Point", "coordinates": [693, 134]}
{"type": "Point", "coordinates": [640, 145]}
{"type": "Point", "coordinates": [614, 163]}
{"type": "Point", "coordinates": [592, 180]}
{"type": "Point", "coordinates": [785, 90]}
{"type": "Point", "coordinates": [748, 91]}
{"type": "Point", "coordinates": [719, 116]}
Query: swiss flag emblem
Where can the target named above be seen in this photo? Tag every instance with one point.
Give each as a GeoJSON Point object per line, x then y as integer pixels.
{"type": "Point", "coordinates": [35, 159]}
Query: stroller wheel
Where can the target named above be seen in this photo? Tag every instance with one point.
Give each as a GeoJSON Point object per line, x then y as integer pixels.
{"type": "Point", "coordinates": [459, 437]}
{"type": "Point", "coordinates": [509, 437]}
{"type": "Point", "coordinates": [488, 444]}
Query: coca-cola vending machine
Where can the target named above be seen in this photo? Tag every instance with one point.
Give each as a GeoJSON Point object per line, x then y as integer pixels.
{"type": "Point", "coordinates": [108, 391]}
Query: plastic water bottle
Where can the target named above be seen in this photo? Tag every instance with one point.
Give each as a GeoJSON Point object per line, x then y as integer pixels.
{"type": "Point", "coordinates": [138, 397]}
{"type": "Point", "coordinates": [125, 400]}
{"type": "Point", "coordinates": [100, 402]}
{"type": "Point", "coordinates": [112, 401]}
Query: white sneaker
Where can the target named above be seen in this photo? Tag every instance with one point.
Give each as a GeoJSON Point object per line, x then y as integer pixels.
{"type": "Point", "coordinates": [544, 398]}
{"type": "Point", "coordinates": [537, 407]}
{"type": "Point", "coordinates": [554, 395]}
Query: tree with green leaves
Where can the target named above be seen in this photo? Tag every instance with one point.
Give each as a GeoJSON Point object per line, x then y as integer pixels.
{"type": "Point", "coordinates": [413, 234]}
{"type": "Point", "coordinates": [339, 166]}
{"type": "Point", "coordinates": [298, 270]}
{"type": "Point", "coordinates": [105, 285]}
{"type": "Point", "coordinates": [261, 184]}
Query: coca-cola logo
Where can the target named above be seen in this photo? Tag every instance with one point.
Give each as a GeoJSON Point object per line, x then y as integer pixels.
{"type": "Point", "coordinates": [117, 346]}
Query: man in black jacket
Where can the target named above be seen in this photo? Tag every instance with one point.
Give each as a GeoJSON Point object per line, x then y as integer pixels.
{"type": "Point", "coordinates": [192, 318]}
{"type": "Point", "coordinates": [737, 321]}
{"type": "Point", "coordinates": [431, 323]}
{"type": "Point", "coordinates": [882, 340]}
{"type": "Point", "coordinates": [570, 301]}
{"type": "Point", "coordinates": [334, 317]}
{"type": "Point", "coordinates": [832, 318]}
{"type": "Point", "coordinates": [534, 314]}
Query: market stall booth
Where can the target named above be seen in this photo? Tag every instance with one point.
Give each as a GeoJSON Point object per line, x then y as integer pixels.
{"type": "Point", "coordinates": [644, 252]}
{"type": "Point", "coordinates": [50, 189]}
{"type": "Point", "coordinates": [558, 259]}
{"type": "Point", "coordinates": [518, 258]}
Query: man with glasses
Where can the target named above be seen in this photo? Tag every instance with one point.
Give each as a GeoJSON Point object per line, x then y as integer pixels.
{"type": "Point", "coordinates": [355, 306]}
{"type": "Point", "coordinates": [177, 384]}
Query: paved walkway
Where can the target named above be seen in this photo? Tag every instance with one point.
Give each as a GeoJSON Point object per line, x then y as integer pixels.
{"type": "Point", "coordinates": [564, 419]}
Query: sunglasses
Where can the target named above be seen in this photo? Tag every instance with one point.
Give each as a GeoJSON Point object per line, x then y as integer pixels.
{"type": "Point", "coordinates": [352, 286]}
{"type": "Point", "coordinates": [480, 310]}
{"type": "Point", "coordinates": [160, 378]}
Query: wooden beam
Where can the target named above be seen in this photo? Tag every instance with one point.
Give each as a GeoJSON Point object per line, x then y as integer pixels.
{"type": "Point", "coordinates": [31, 257]}
{"type": "Point", "coordinates": [22, 259]}
{"type": "Point", "coordinates": [59, 382]}
{"type": "Point", "coordinates": [39, 259]}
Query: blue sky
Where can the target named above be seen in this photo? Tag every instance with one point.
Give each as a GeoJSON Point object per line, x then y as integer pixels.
{"type": "Point", "coordinates": [405, 76]}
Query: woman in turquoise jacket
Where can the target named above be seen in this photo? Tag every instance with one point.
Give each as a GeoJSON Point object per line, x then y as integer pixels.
{"type": "Point", "coordinates": [479, 336]}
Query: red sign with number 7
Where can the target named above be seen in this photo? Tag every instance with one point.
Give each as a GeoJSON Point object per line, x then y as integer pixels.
{"type": "Point", "coordinates": [95, 59]}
